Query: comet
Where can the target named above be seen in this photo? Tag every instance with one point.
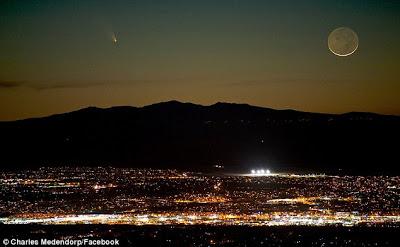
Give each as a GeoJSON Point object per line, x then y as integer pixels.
{"type": "Point", "coordinates": [114, 39]}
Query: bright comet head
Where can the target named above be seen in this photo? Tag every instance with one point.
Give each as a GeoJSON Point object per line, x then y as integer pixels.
{"type": "Point", "coordinates": [114, 38]}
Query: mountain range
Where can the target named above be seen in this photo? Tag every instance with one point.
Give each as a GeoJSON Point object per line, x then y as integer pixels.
{"type": "Point", "coordinates": [195, 137]}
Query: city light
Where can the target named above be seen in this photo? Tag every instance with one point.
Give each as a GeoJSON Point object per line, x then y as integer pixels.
{"type": "Point", "coordinates": [196, 198]}
{"type": "Point", "coordinates": [261, 172]}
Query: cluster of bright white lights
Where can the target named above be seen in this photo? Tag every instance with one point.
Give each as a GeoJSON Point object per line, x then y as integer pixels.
{"type": "Point", "coordinates": [261, 172]}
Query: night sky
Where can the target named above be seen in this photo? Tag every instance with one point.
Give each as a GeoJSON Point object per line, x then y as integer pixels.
{"type": "Point", "coordinates": [59, 56]}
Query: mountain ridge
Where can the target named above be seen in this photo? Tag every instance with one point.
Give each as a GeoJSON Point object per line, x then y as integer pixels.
{"type": "Point", "coordinates": [185, 135]}
{"type": "Point", "coordinates": [217, 104]}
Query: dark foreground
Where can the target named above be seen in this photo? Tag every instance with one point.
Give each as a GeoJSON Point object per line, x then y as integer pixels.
{"type": "Point", "coordinates": [212, 235]}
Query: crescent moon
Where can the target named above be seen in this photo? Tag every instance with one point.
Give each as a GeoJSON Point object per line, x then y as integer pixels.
{"type": "Point", "coordinates": [343, 41]}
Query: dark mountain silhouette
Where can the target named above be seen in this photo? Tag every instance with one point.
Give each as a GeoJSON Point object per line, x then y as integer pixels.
{"type": "Point", "coordinates": [184, 135]}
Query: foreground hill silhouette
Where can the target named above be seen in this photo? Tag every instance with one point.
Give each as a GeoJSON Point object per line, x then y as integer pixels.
{"type": "Point", "coordinates": [185, 135]}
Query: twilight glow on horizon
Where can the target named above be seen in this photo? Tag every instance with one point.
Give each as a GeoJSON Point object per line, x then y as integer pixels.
{"type": "Point", "coordinates": [59, 56]}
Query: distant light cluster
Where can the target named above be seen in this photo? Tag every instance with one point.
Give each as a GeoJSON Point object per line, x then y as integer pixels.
{"type": "Point", "coordinates": [261, 172]}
